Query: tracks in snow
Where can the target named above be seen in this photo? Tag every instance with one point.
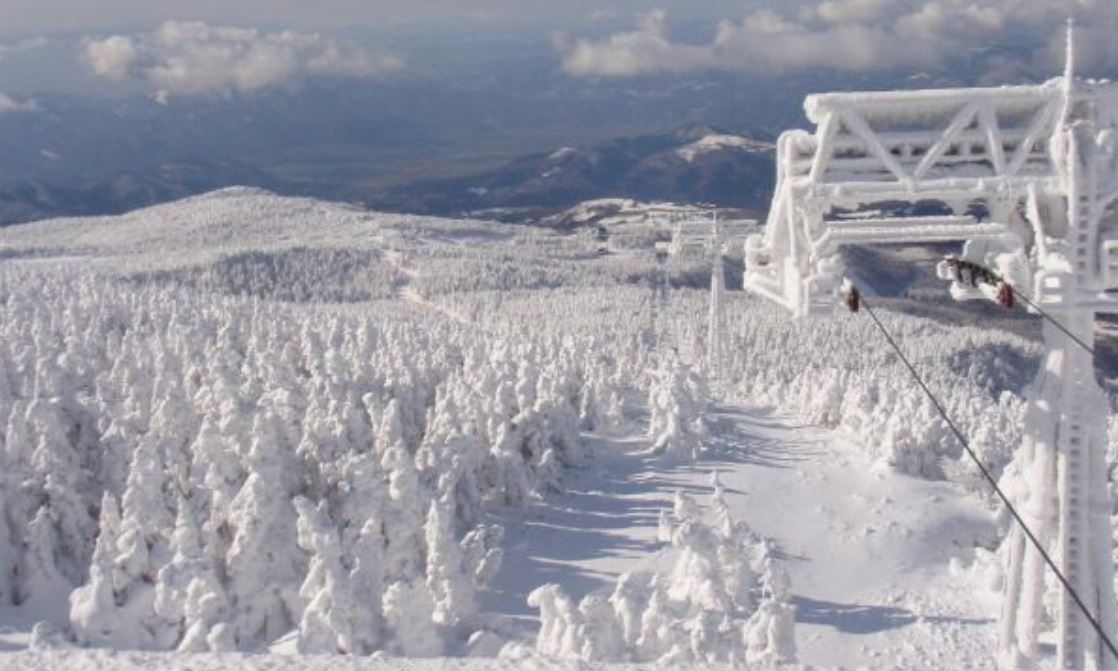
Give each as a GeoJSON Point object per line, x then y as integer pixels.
{"type": "Point", "coordinates": [868, 550]}
{"type": "Point", "coordinates": [408, 293]}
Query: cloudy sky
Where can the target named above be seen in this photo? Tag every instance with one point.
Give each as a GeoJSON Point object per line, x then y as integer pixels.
{"type": "Point", "coordinates": [28, 17]}
{"type": "Point", "coordinates": [173, 48]}
{"type": "Point", "coordinates": [851, 35]}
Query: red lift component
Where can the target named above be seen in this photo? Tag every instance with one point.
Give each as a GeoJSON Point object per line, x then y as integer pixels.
{"type": "Point", "coordinates": [1005, 295]}
{"type": "Point", "coordinates": [853, 298]}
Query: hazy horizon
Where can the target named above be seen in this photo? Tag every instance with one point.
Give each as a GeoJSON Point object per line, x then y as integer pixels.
{"type": "Point", "coordinates": [123, 103]}
{"type": "Point", "coordinates": [164, 49]}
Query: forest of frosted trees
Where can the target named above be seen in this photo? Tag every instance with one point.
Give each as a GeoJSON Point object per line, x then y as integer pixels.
{"type": "Point", "coordinates": [207, 474]}
{"type": "Point", "coordinates": [211, 452]}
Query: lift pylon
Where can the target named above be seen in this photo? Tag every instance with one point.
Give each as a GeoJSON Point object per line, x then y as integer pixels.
{"type": "Point", "coordinates": [1027, 178]}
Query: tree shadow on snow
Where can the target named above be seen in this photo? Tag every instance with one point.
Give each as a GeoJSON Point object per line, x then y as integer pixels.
{"type": "Point", "coordinates": [737, 438]}
{"type": "Point", "coordinates": [859, 619]}
{"type": "Point", "coordinates": [605, 522]}
{"type": "Point", "coordinates": [583, 537]}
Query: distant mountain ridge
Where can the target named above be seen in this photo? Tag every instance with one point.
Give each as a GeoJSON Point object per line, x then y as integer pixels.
{"type": "Point", "coordinates": [32, 199]}
{"type": "Point", "coordinates": [695, 164]}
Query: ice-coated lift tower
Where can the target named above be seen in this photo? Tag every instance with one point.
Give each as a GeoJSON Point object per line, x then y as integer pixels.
{"type": "Point", "coordinates": [1027, 178]}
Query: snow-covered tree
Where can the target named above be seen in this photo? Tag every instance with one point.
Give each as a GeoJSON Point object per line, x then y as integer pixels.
{"type": "Point", "coordinates": [188, 596]}
{"type": "Point", "coordinates": [770, 633]}
{"type": "Point", "coordinates": [676, 426]}
{"type": "Point", "coordinates": [409, 611]}
{"type": "Point", "coordinates": [142, 544]}
{"type": "Point", "coordinates": [216, 474]}
{"type": "Point", "coordinates": [95, 609]}
{"type": "Point", "coordinates": [508, 476]}
{"type": "Point", "coordinates": [716, 597]}
{"type": "Point", "coordinates": [64, 486]}
{"type": "Point", "coordinates": [262, 565]}
{"type": "Point", "coordinates": [326, 625]}
{"type": "Point", "coordinates": [403, 517]}
{"type": "Point", "coordinates": [451, 588]}
{"type": "Point", "coordinates": [363, 543]}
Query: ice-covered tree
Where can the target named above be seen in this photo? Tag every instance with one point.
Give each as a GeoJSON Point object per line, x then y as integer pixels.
{"type": "Point", "coordinates": [508, 476]}
{"type": "Point", "coordinates": [560, 632]}
{"type": "Point", "coordinates": [174, 424]}
{"type": "Point", "coordinates": [64, 485]}
{"type": "Point", "coordinates": [188, 595]}
{"type": "Point", "coordinates": [142, 543]}
{"type": "Point", "coordinates": [95, 609]}
{"type": "Point", "coordinates": [262, 565]}
{"type": "Point", "coordinates": [482, 554]}
{"type": "Point", "coordinates": [409, 611]}
{"type": "Point", "coordinates": [451, 588]}
{"type": "Point", "coordinates": [216, 475]}
{"type": "Point", "coordinates": [770, 633]}
{"type": "Point", "coordinates": [363, 546]}
{"type": "Point", "coordinates": [698, 605]}
{"type": "Point", "coordinates": [41, 587]}
{"type": "Point", "coordinates": [13, 504]}
{"type": "Point", "coordinates": [404, 514]}
{"type": "Point", "coordinates": [326, 624]}
{"type": "Point", "coordinates": [120, 435]}
{"type": "Point", "coordinates": [676, 425]}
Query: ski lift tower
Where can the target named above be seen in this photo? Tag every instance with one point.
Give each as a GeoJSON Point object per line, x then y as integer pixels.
{"type": "Point", "coordinates": [1043, 162]}
{"type": "Point", "coordinates": [716, 320]}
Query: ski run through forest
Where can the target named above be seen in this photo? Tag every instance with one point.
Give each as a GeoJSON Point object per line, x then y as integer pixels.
{"type": "Point", "coordinates": [243, 426]}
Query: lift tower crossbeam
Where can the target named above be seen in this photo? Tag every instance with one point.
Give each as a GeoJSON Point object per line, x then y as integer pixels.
{"type": "Point", "coordinates": [1040, 165]}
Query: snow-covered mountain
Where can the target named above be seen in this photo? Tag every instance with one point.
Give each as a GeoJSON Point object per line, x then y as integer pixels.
{"type": "Point", "coordinates": [615, 212]}
{"type": "Point", "coordinates": [695, 164]}
{"type": "Point", "coordinates": [242, 423]}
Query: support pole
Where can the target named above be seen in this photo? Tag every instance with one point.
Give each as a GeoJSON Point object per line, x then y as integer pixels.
{"type": "Point", "coordinates": [716, 326]}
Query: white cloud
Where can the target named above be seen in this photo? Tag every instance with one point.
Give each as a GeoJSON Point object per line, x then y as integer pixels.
{"type": "Point", "coordinates": [112, 58]}
{"type": "Point", "coordinates": [843, 11]}
{"type": "Point", "coordinates": [9, 105]}
{"type": "Point", "coordinates": [766, 41]}
{"type": "Point", "coordinates": [852, 35]}
{"type": "Point", "coordinates": [646, 50]}
{"type": "Point", "coordinates": [191, 58]}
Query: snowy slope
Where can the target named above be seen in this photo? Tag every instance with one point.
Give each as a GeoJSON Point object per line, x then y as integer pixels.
{"type": "Point", "coordinates": [719, 142]}
{"type": "Point", "coordinates": [870, 551]}
{"type": "Point", "coordinates": [227, 221]}
{"type": "Point", "coordinates": [105, 661]}
{"type": "Point", "coordinates": [511, 383]}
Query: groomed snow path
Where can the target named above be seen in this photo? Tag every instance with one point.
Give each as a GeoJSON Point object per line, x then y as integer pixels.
{"type": "Point", "coordinates": [869, 550]}
{"type": "Point", "coordinates": [106, 660]}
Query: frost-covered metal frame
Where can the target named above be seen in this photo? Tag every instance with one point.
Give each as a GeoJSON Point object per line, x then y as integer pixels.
{"type": "Point", "coordinates": [991, 162]}
{"type": "Point", "coordinates": [1027, 178]}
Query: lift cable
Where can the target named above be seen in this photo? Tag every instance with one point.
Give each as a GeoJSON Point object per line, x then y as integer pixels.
{"type": "Point", "coordinates": [1055, 322]}
{"type": "Point", "coordinates": [992, 277]}
{"type": "Point", "coordinates": [859, 301]}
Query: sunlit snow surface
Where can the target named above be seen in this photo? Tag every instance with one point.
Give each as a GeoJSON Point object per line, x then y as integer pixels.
{"type": "Point", "coordinates": [550, 353]}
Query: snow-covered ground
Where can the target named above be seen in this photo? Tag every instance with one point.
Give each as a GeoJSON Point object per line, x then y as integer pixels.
{"type": "Point", "coordinates": [514, 411]}
{"type": "Point", "coordinates": [717, 142]}
{"type": "Point", "coordinates": [103, 660]}
{"type": "Point", "coordinates": [869, 551]}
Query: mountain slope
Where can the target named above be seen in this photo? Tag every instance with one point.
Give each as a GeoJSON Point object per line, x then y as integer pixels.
{"type": "Point", "coordinates": [696, 164]}
{"type": "Point", "coordinates": [482, 350]}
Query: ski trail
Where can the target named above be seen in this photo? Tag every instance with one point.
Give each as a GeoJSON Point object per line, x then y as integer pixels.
{"type": "Point", "coordinates": [868, 550]}
{"type": "Point", "coordinates": [603, 525]}
{"type": "Point", "coordinates": [408, 293]}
